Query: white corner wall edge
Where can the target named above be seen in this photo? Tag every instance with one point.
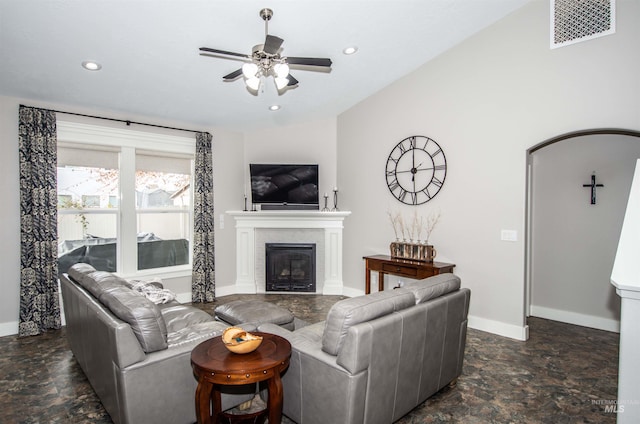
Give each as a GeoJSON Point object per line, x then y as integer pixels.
{"type": "Point", "coordinates": [500, 328]}
{"type": "Point", "coordinates": [575, 318]}
{"type": "Point", "coordinates": [625, 276]}
{"type": "Point", "coordinates": [8, 328]}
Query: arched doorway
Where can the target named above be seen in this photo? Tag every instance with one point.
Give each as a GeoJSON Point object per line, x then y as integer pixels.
{"type": "Point", "coordinates": [570, 242]}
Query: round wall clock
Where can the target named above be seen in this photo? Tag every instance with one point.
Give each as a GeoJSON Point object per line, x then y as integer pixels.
{"type": "Point", "coordinates": [416, 169]}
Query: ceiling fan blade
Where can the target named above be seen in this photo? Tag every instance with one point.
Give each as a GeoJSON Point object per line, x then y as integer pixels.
{"type": "Point", "coordinates": [210, 50]}
{"type": "Point", "coordinates": [311, 61]}
{"type": "Point", "coordinates": [272, 44]}
{"type": "Point", "coordinates": [292, 81]}
{"type": "Point", "coordinates": [233, 75]}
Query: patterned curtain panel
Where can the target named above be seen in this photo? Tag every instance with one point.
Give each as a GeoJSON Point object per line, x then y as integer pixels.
{"type": "Point", "coordinates": [39, 304]}
{"type": "Point", "coordinates": [203, 285]}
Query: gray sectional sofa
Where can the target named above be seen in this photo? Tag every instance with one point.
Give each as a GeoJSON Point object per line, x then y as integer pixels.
{"type": "Point", "coordinates": [376, 357]}
{"type": "Point", "coordinates": [136, 354]}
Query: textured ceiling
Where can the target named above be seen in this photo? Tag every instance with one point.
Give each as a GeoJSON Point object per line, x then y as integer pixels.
{"type": "Point", "coordinates": [151, 65]}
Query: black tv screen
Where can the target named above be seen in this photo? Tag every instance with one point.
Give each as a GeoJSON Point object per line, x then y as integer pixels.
{"type": "Point", "coordinates": [281, 184]}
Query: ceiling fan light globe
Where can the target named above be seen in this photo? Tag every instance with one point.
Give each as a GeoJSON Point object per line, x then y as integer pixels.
{"type": "Point", "coordinates": [281, 70]}
{"type": "Point", "coordinates": [249, 70]}
{"type": "Point", "coordinates": [281, 82]}
{"type": "Point", "coordinates": [253, 83]}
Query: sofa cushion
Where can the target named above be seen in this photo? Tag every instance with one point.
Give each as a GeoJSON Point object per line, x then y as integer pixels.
{"type": "Point", "coordinates": [101, 282]}
{"type": "Point", "coordinates": [77, 271]}
{"type": "Point", "coordinates": [96, 282]}
{"type": "Point", "coordinates": [254, 311]}
{"type": "Point", "coordinates": [433, 287]}
{"type": "Point", "coordinates": [141, 314]}
{"type": "Point", "coordinates": [349, 312]}
{"type": "Point", "coordinates": [177, 316]}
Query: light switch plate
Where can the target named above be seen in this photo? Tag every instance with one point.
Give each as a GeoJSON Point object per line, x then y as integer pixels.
{"type": "Point", "coordinates": [509, 235]}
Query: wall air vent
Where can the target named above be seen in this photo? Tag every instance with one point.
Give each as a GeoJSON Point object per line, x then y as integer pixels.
{"type": "Point", "coordinates": [573, 21]}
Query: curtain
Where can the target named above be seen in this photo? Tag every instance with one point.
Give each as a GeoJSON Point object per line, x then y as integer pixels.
{"type": "Point", "coordinates": [203, 285]}
{"type": "Point", "coordinates": [39, 299]}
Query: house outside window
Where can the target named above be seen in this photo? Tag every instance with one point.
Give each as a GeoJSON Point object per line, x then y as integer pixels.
{"type": "Point", "coordinates": [124, 200]}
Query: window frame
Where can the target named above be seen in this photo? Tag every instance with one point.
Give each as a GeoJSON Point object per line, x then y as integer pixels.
{"type": "Point", "coordinates": [128, 142]}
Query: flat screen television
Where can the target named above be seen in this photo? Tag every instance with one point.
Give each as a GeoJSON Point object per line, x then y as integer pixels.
{"type": "Point", "coordinates": [284, 186]}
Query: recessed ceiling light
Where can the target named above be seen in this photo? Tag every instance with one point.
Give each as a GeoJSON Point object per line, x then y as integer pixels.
{"type": "Point", "coordinates": [274, 107]}
{"type": "Point", "coordinates": [350, 50]}
{"type": "Point", "coordinates": [91, 65]}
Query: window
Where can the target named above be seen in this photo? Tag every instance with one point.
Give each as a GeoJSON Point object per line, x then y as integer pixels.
{"type": "Point", "coordinates": [124, 200]}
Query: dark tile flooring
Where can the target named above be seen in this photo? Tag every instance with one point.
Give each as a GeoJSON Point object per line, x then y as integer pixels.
{"type": "Point", "coordinates": [562, 374]}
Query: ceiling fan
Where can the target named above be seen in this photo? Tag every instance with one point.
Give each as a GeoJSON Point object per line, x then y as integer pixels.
{"type": "Point", "coordinates": [266, 60]}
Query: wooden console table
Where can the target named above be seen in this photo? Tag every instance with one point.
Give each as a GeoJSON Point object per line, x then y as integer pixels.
{"type": "Point", "coordinates": [409, 268]}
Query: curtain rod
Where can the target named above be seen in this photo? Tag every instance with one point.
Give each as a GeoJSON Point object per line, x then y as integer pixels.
{"type": "Point", "coordinates": [126, 121]}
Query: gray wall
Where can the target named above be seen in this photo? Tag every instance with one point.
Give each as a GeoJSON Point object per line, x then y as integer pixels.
{"type": "Point", "coordinates": [486, 102]}
{"type": "Point", "coordinates": [573, 242]}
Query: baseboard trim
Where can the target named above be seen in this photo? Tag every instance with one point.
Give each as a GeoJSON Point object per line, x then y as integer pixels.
{"type": "Point", "coordinates": [349, 292]}
{"type": "Point", "coordinates": [8, 328]}
{"type": "Point", "coordinates": [225, 291]}
{"type": "Point", "coordinates": [576, 318]}
{"type": "Point", "coordinates": [500, 328]}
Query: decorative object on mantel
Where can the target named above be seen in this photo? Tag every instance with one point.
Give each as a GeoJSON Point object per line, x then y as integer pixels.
{"type": "Point", "coordinates": [593, 187]}
{"type": "Point", "coordinates": [417, 248]}
{"type": "Point", "coordinates": [326, 199]}
{"type": "Point", "coordinates": [335, 200]}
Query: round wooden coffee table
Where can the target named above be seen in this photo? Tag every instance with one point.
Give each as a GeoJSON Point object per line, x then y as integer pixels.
{"type": "Point", "coordinates": [215, 366]}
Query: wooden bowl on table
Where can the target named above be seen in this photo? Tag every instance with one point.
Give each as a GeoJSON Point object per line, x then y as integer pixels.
{"type": "Point", "coordinates": [239, 341]}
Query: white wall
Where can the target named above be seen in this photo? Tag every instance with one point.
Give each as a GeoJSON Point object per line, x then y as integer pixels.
{"type": "Point", "coordinates": [573, 242]}
{"type": "Point", "coordinates": [485, 102]}
{"type": "Point", "coordinates": [228, 175]}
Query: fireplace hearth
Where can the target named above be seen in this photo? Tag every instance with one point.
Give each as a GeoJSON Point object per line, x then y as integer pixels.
{"type": "Point", "coordinates": [290, 267]}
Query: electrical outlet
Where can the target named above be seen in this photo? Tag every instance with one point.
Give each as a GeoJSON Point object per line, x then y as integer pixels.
{"type": "Point", "coordinates": [221, 221]}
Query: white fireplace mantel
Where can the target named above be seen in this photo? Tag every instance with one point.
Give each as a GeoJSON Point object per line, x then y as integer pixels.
{"type": "Point", "coordinates": [247, 223]}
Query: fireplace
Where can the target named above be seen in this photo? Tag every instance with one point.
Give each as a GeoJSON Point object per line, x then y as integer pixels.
{"type": "Point", "coordinates": [290, 267]}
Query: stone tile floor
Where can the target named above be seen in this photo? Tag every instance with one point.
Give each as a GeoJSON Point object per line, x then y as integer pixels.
{"type": "Point", "coordinates": [558, 376]}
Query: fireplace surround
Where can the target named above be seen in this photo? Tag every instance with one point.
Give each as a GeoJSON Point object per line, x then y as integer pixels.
{"type": "Point", "coordinates": [255, 229]}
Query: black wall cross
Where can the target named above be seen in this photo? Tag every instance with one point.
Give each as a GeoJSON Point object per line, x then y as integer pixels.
{"type": "Point", "coordinates": [593, 186]}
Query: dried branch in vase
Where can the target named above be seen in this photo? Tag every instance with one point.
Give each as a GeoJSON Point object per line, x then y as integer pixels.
{"type": "Point", "coordinates": [402, 226]}
{"type": "Point", "coordinates": [394, 222]}
{"type": "Point", "coordinates": [432, 221]}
